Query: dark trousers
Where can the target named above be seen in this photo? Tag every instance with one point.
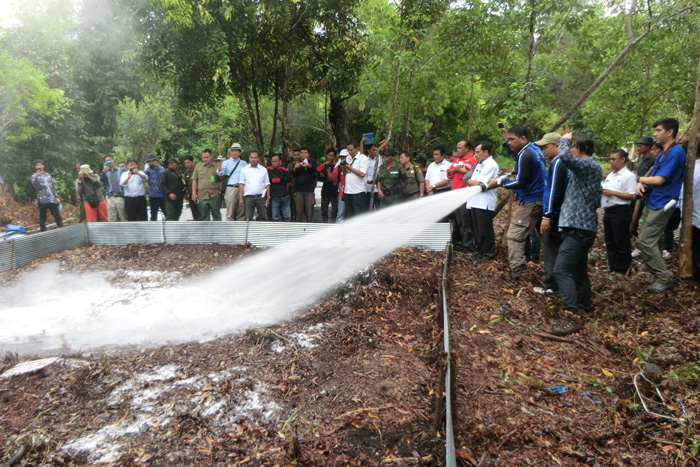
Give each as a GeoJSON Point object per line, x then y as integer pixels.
{"type": "Point", "coordinates": [696, 253]}
{"type": "Point", "coordinates": [355, 204]}
{"type": "Point", "coordinates": [551, 242]}
{"type": "Point", "coordinates": [53, 209]}
{"type": "Point", "coordinates": [325, 201]}
{"type": "Point", "coordinates": [571, 269]}
{"type": "Point", "coordinates": [195, 211]}
{"type": "Point", "coordinates": [304, 205]}
{"type": "Point", "coordinates": [464, 218]}
{"type": "Point", "coordinates": [157, 203]}
{"type": "Point", "coordinates": [616, 223]}
{"type": "Point", "coordinates": [253, 203]}
{"type": "Point", "coordinates": [173, 209]}
{"type": "Point", "coordinates": [135, 208]}
{"type": "Point", "coordinates": [484, 237]}
{"type": "Point", "coordinates": [532, 245]}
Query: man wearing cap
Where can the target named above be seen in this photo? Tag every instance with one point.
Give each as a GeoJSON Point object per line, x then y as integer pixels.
{"type": "Point", "coordinates": [173, 189]}
{"type": "Point", "coordinates": [230, 172]}
{"type": "Point", "coordinates": [46, 197]}
{"type": "Point", "coordinates": [339, 174]}
{"type": "Point", "coordinates": [110, 176]}
{"type": "Point", "coordinates": [412, 181]}
{"type": "Point", "coordinates": [155, 197]}
{"type": "Point", "coordinates": [205, 188]}
{"type": "Point", "coordinates": [133, 182]}
{"type": "Point", "coordinates": [255, 189]}
{"type": "Point", "coordinates": [389, 179]}
{"type": "Point", "coordinates": [558, 177]}
{"type": "Point", "coordinates": [645, 161]}
{"type": "Point", "coordinates": [88, 187]}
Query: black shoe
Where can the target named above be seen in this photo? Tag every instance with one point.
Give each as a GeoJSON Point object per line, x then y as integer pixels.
{"type": "Point", "coordinates": [570, 324]}
{"type": "Point", "coordinates": [518, 274]}
{"type": "Point", "coordinates": [659, 287]}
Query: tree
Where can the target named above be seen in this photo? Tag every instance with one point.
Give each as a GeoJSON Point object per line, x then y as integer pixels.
{"type": "Point", "coordinates": [24, 94]}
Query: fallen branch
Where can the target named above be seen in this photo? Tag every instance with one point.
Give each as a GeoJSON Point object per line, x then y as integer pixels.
{"type": "Point", "coordinates": [367, 409]}
{"type": "Point", "coordinates": [552, 337]}
{"type": "Point", "coordinates": [427, 458]}
{"type": "Point", "coordinates": [14, 460]}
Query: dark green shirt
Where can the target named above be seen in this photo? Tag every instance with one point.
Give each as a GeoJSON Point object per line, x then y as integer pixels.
{"type": "Point", "coordinates": [390, 179]}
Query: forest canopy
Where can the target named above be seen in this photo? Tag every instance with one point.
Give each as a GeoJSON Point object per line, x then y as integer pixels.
{"type": "Point", "coordinates": [82, 79]}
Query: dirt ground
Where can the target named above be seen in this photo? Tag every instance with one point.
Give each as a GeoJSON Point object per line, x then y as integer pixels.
{"type": "Point", "coordinates": [351, 381]}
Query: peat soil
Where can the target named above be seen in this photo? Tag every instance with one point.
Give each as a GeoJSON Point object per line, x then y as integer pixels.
{"type": "Point", "coordinates": [347, 382]}
{"type": "Point", "coordinates": [623, 391]}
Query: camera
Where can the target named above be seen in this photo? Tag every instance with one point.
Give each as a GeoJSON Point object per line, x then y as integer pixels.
{"type": "Point", "coordinates": [134, 170]}
{"type": "Point", "coordinates": [343, 163]}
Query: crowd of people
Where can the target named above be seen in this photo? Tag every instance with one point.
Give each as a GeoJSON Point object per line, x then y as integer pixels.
{"type": "Point", "coordinates": [556, 181]}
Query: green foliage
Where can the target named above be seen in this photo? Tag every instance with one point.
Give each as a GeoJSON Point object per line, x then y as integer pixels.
{"type": "Point", "coordinates": [25, 96]}
{"type": "Point", "coordinates": [142, 127]}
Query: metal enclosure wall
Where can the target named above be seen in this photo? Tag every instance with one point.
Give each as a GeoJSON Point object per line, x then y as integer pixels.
{"type": "Point", "coordinates": [24, 250]}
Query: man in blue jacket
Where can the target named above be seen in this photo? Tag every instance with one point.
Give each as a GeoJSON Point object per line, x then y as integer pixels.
{"type": "Point", "coordinates": [528, 183]}
{"type": "Point", "coordinates": [664, 184]}
{"type": "Point", "coordinates": [110, 177]}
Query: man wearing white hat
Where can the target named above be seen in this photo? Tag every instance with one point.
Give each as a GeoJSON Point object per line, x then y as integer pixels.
{"type": "Point", "coordinates": [231, 169]}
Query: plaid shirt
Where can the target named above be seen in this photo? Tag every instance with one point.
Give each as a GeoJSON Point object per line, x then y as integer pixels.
{"type": "Point", "coordinates": [583, 192]}
{"type": "Point", "coordinates": [45, 189]}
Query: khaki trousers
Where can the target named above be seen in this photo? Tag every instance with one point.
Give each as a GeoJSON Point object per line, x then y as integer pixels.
{"type": "Point", "coordinates": [650, 241]}
{"type": "Point", "coordinates": [116, 209]}
{"type": "Point", "coordinates": [304, 204]}
{"type": "Point", "coordinates": [234, 212]}
{"type": "Point", "coordinates": [527, 217]}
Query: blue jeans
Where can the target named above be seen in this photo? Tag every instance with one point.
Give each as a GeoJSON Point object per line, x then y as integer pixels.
{"type": "Point", "coordinates": [341, 210]}
{"type": "Point", "coordinates": [281, 204]}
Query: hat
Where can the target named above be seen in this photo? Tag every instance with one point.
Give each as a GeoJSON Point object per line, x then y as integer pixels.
{"type": "Point", "coordinates": [236, 146]}
{"type": "Point", "coordinates": [549, 138]}
{"type": "Point", "coordinates": [343, 153]}
{"type": "Point", "coordinates": [421, 159]}
{"type": "Point", "coordinates": [85, 169]}
{"type": "Point", "coordinates": [172, 159]}
{"type": "Point", "coordinates": [648, 140]}
{"type": "Point", "coordinates": [150, 157]}
{"type": "Point", "coordinates": [38, 161]}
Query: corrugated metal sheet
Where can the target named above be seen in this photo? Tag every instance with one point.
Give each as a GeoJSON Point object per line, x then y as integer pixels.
{"type": "Point", "coordinates": [260, 234]}
{"type": "Point", "coordinates": [6, 262]}
{"type": "Point", "coordinates": [125, 233]}
{"type": "Point", "coordinates": [192, 233]}
{"type": "Point", "coordinates": [29, 248]}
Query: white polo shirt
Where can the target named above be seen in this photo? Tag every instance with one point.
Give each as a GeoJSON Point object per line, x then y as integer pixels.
{"type": "Point", "coordinates": [483, 172]}
{"type": "Point", "coordinates": [437, 172]}
{"type": "Point", "coordinates": [255, 180]}
{"type": "Point", "coordinates": [353, 183]}
{"type": "Point", "coordinates": [135, 186]}
{"type": "Point", "coordinates": [370, 172]}
{"type": "Point", "coordinates": [623, 181]}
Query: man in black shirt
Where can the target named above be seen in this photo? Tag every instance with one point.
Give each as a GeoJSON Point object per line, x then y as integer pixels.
{"type": "Point", "coordinates": [304, 172]}
{"type": "Point", "coordinates": [329, 191]}
{"type": "Point", "coordinates": [173, 189]}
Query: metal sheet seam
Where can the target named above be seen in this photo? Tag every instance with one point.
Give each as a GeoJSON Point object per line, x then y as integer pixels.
{"type": "Point", "coordinates": [450, 453]}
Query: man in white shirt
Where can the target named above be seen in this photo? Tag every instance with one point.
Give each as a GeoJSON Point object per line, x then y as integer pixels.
{"type": "Point", "coordinates": [618, 192]}
{"type": "Point", "coordinates": [482, 206]}
{"type": "Point", "coordinates": [254, 189]}
{"type": "Point", "coordinates": [232, 168]}
{"type": "Point", "coordinates": [436, 180]}
{"type": "Point", "coordinates": [355, 195]}
{"type": "Point", "coordinates": [373, 168]}
{"type": "Point", "coordinates": [134, 192]}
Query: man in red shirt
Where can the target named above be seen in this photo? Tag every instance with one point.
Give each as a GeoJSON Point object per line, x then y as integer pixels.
{"type": "Point", "coordinates": [463, 239]}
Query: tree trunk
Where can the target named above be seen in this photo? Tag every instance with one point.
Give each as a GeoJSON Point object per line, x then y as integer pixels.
{"type": "Point", "coordinates": [685, 262]}
{"type": "Point", "coordinates": [243, 85]}
{"type": "Point", "coordinates": [274, 118]}
{"type": "Point", "coordinates": [393, 104]}
{"type": "Point", "coordinates": [261, 146]}
{"type": "Point", "coordinates": [530, 57]}
{"type": "Point", "coordinates": [471, 103]}
{"type": "Point", "coordinates": [337, 116]}
{"type": "Point", "coordinates": [285, 107]}
{"type": "Point", "coordinates": [599, 81]}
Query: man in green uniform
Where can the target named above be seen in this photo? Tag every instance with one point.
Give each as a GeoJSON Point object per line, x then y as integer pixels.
{"type": "Point", "coordinates": [189, 170]}
{"type": "Point", "coordinates": [205, 188]}
{"type": "Point", "coordinates": [412, 179]}
{"type": "Point", "coordinates": [389, 179]}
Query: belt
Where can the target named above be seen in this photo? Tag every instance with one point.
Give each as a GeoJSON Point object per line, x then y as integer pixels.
{"type": "Point", "coordinates": [617, 206]}
{"type": "Point", "coordinates": [234, 186]}
{"type": "Point", "coordinates": [253, 196]}
{"type": "Point", "coordinates": [113, 195]}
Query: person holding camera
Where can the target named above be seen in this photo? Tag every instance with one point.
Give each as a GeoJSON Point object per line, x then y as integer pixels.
{"type": "Point", "coordinates": [110, 177]}
{"type": "Point", "coordinates": [133, 181]}
{"type": "Point", "coordinates": [155, 197]}
{"type": "Point", "coordinates": [46, 196]}
{"type": "Point", "coordinates": [304, 172]}
{"type": "Point", "coordinates": [172, 186]}
{"type": "Point", "coordinates": [88, 187]}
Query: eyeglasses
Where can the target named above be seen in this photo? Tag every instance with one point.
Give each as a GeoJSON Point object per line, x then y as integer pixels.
{"type": "Point", "coordinates": [612, 159]}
